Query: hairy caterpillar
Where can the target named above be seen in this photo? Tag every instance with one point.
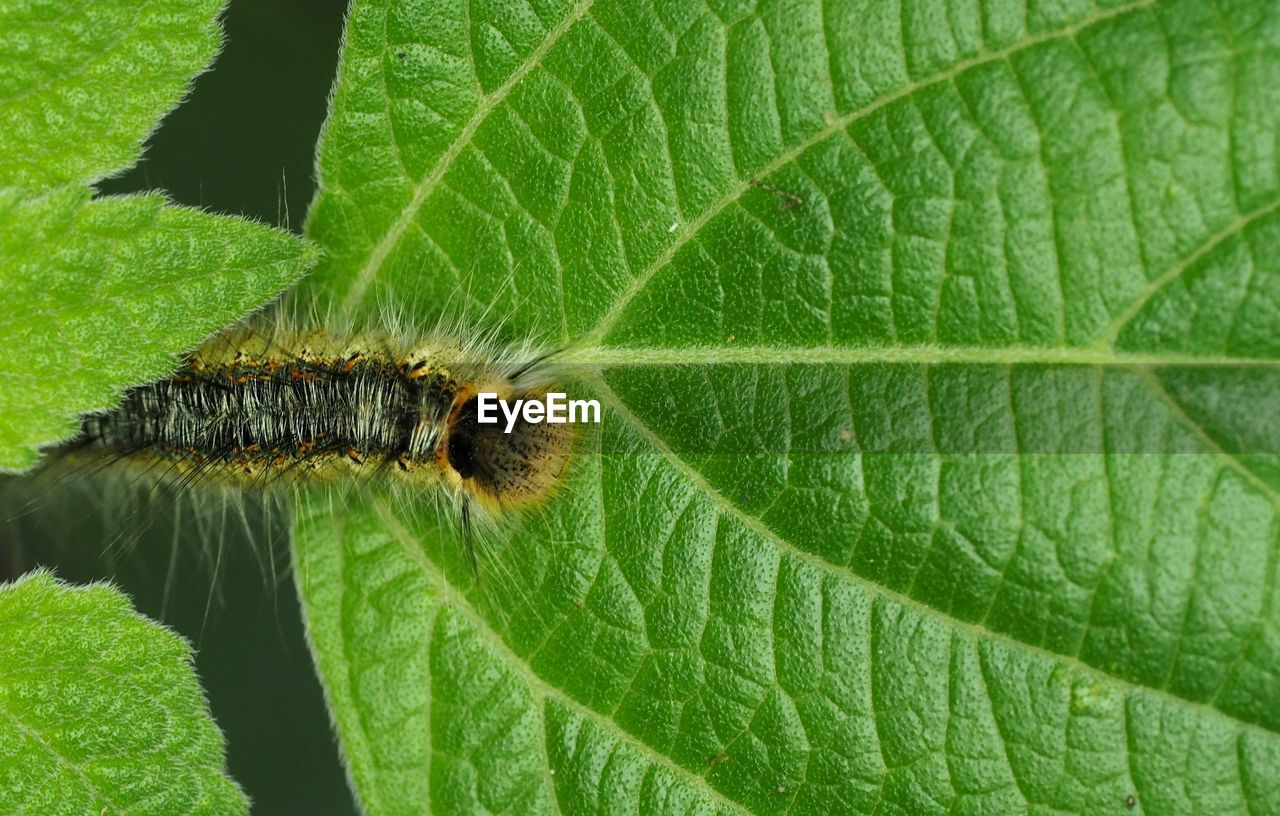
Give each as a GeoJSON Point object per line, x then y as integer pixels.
{"type": "Point", "coordinates": [252, 407]}
{"type": "Point", "coordinates": [259, 406]}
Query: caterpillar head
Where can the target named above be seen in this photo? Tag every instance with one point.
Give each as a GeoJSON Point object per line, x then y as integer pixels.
{"type": "Point", "coordinates": [501, 467]}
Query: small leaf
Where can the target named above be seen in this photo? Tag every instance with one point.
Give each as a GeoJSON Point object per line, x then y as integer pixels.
{"type": "Point", "coordinates": [102, 294]}
{"type": "Point", "coordinates": [82, 84]}
{"type": "Point", "coordinates": [100, 712]}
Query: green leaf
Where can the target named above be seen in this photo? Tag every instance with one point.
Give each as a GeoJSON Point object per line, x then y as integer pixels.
{"type": "Point", "coordinates": [83, 84]}
{"type": "Point", "coordinates": [103, 294]}
{"type": "Point", "coordinates": [939, 467]}
{"type": "Point", "coordinates": [100, 711]}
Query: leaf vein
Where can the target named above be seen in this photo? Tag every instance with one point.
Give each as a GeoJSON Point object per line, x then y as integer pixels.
{"type": "Point", "coordinates": [422, 190]}
{"type": "Point", "coordinates": [838, 124]}
{"type": "Point", "coordinates": [974, 630]}
{"type": "Point", "coordinates": [538, 687]}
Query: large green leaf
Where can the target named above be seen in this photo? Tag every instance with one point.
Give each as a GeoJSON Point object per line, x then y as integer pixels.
{"type": "Point", "coordinates": [100, 711]}
{"type": "Point", "coordinates": [937, 346]}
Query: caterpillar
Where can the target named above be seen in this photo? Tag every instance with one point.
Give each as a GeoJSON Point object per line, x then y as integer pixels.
{"type": "Point", "coordinates": [257, 406]}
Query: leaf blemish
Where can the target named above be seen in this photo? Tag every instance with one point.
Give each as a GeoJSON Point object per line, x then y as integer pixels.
{"type": "Point", "coordinates": [786, 201]}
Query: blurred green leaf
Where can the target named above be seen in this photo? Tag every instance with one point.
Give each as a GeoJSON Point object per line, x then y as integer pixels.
{"type": "Point", "coordinates": [925, 482]}
{"type": "Point", "coordinates": [100, 711]}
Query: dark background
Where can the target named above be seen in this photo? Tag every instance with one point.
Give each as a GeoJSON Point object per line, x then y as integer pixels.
{"type": "Point", "coordinates": [243, 143]}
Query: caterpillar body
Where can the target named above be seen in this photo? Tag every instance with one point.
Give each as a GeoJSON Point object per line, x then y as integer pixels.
{"type": "Point", "coordinates": [254, 407]}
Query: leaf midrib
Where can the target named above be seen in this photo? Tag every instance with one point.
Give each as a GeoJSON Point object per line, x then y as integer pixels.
{"type": "Point", "coordinates": [1139, 364]}
{"type": "Point", "coordinates": [644, 356]}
